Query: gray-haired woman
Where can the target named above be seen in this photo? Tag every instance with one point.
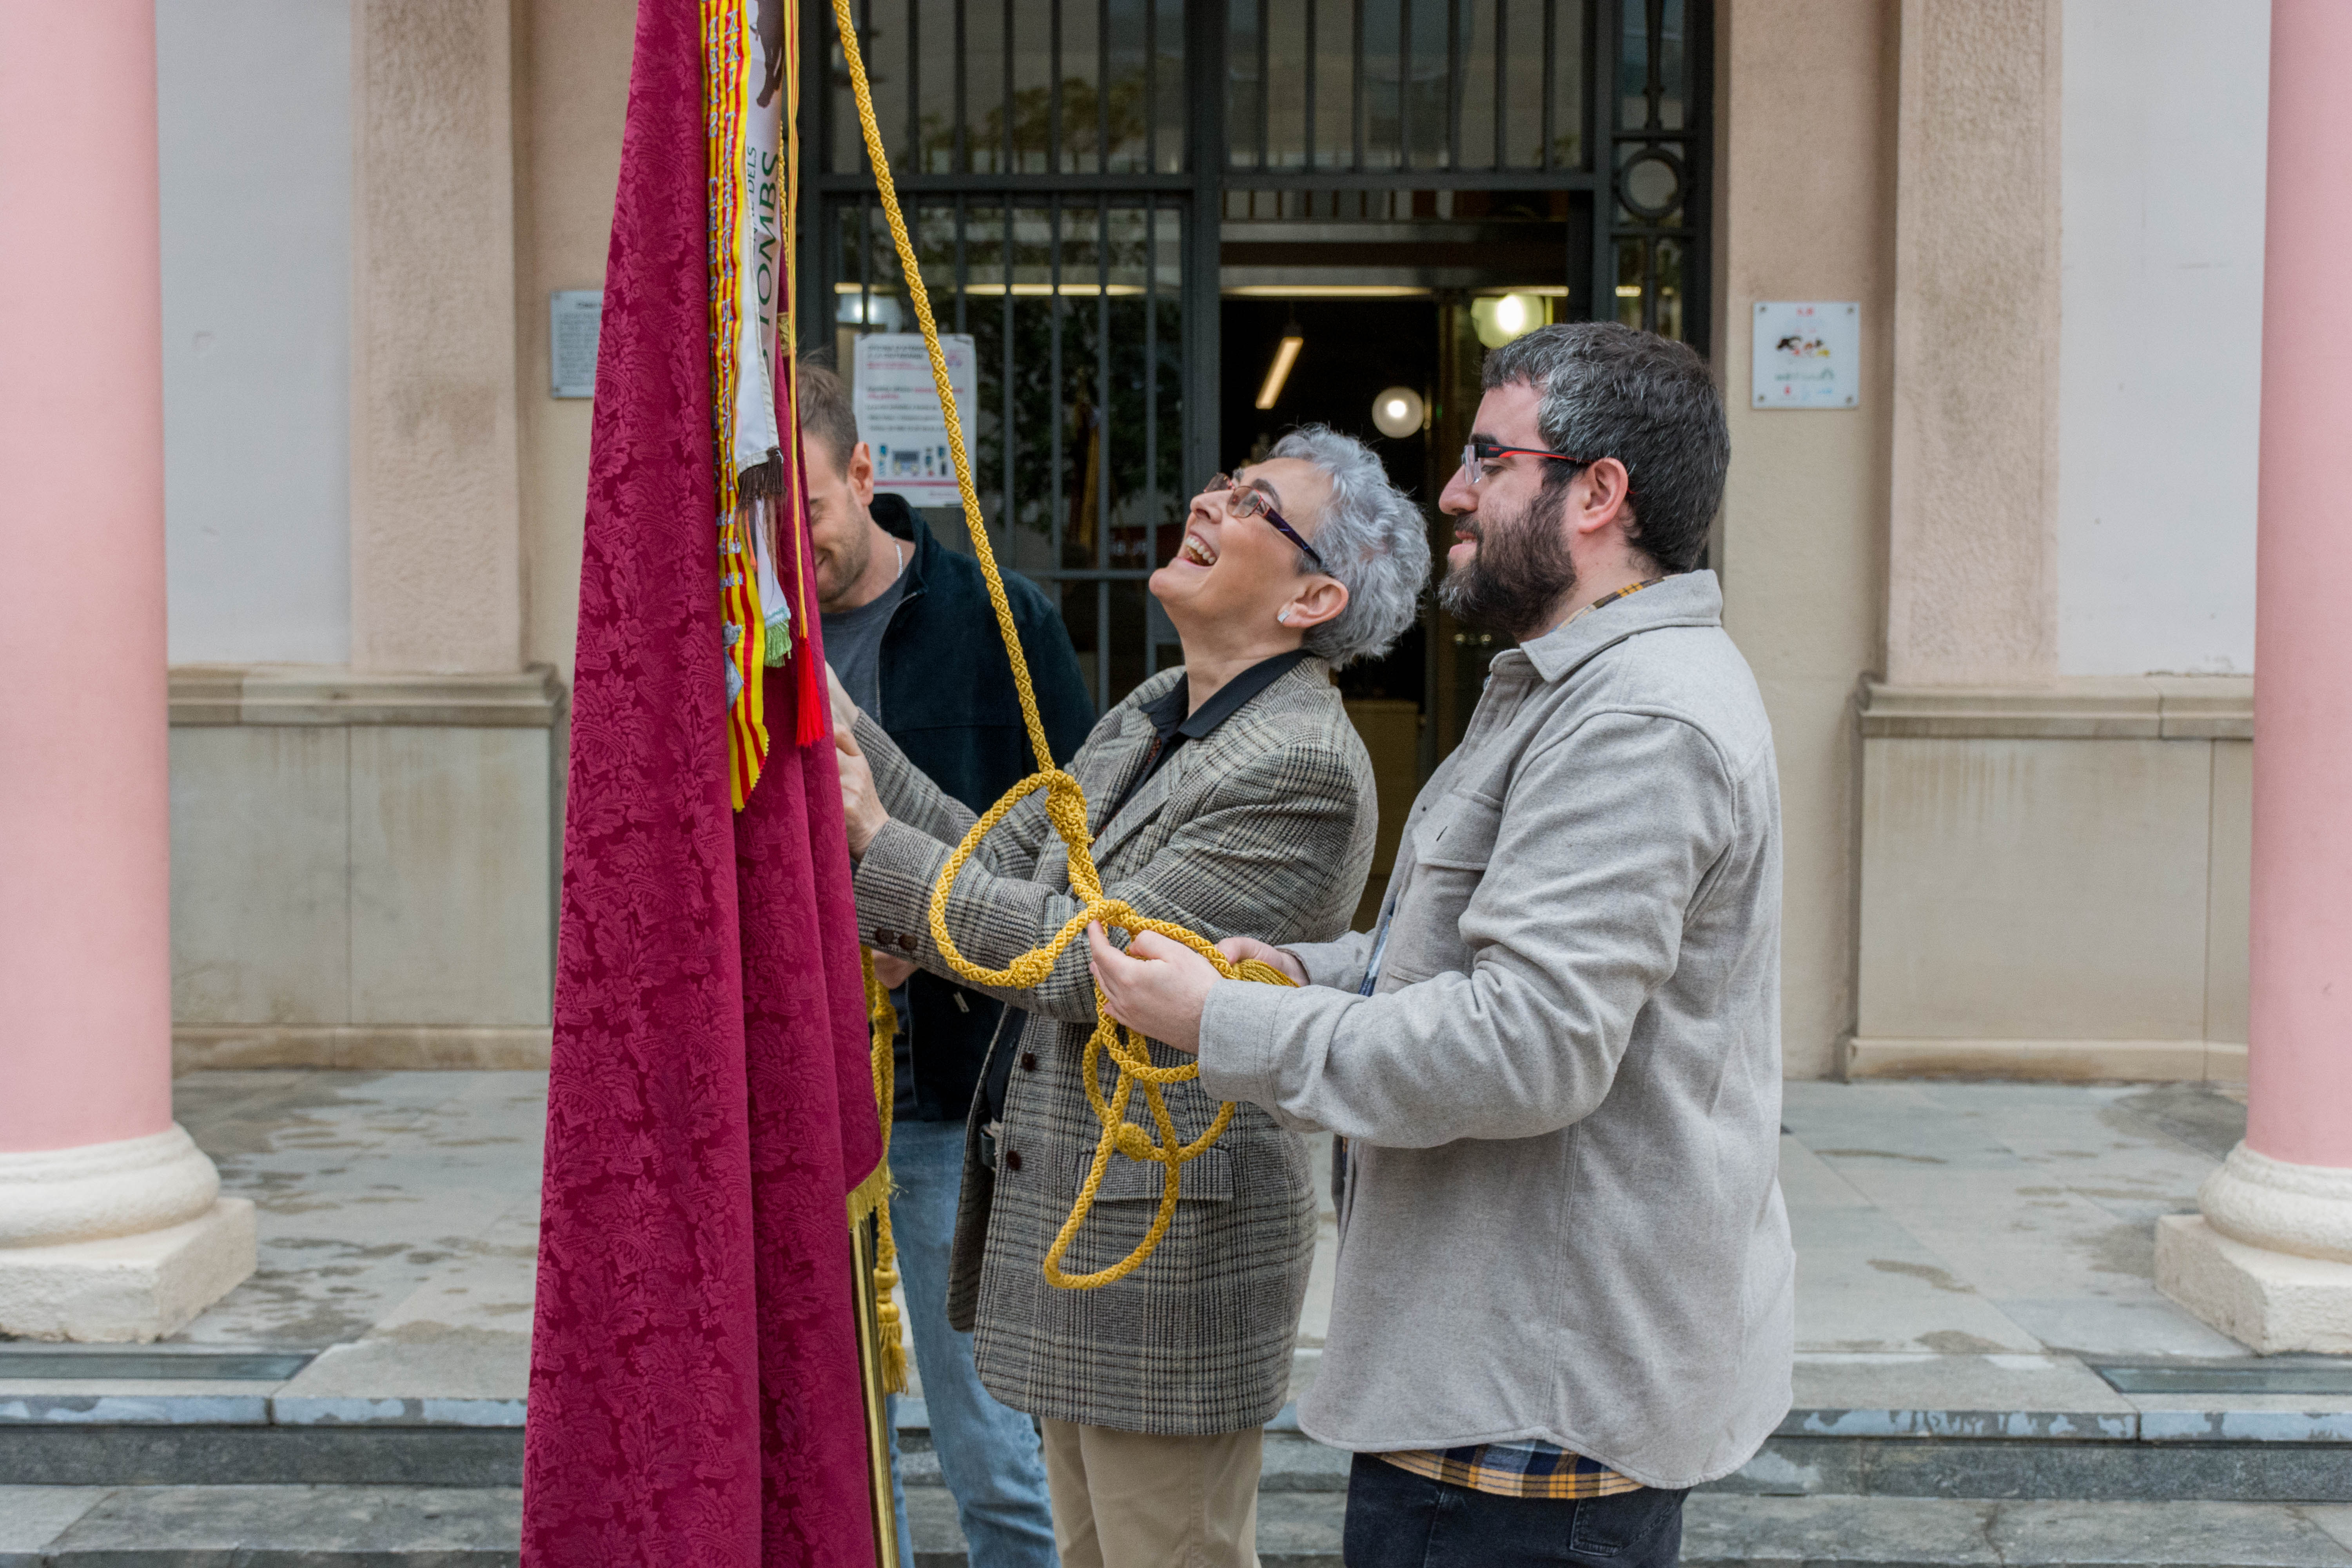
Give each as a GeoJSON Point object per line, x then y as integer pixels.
{"type": "Point", "coordinates": [1230, 795]}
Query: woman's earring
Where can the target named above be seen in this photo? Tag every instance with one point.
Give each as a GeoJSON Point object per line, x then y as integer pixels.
{"type": "Point", "coordinates": [1283, 615]}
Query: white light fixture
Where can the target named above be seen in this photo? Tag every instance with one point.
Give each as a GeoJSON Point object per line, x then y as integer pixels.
{"type": "Point", "coordinates": [1499, 318]}
{"type": "Point", "coordinates": [1279, 372]}
{"type": "Point", "coordinates": [1398, 411]}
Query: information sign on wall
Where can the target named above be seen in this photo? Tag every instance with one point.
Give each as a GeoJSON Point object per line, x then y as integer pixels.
{"type": "Point", "coordinates": [1808, 353]}
{"type": "Point", "coordinates": [574, 316]}
{"type": "Point", "coordinates": [899, 417]}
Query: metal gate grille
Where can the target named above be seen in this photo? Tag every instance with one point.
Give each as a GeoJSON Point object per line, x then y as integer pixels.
{"type": "Point", "coordinates": [1068, 171]}
{"type": "Point", "coordinates": [1363, 86]}
{"type": "Point", "coordinates": [1094, 86]}
{"type": "Point", "coordinates": [1661, 147]}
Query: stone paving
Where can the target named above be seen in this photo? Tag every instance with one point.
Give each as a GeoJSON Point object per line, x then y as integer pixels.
{"type": "Point", "coordinates": [1961, 1247]}
{"type": "Point", "coordinates": [1944, 1231]}
{"type": "Point", "coordinates": [1994, 1219]}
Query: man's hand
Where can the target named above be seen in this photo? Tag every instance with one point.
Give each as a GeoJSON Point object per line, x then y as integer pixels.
{"type": "Point", "coordinates": [770, 20]}
{"type": "Point", "coordinates": [1157, 987]}
{"type": "Point", "coordinates": [1240, 949]}
{"type": "Point", "coordinates": [861, 809]}
{"type": "Point", "coordinates": [891, 969]}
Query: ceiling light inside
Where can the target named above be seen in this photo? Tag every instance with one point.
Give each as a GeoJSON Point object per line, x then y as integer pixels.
{"type": "Point", "coordinates": [1399, 411]}
{"type": "Point", "coordinates": [1285, 356]}
{"type": "Point", "coordinates": [1327, 291]}
{"type": "Point", "coordinates": [1499, 318]}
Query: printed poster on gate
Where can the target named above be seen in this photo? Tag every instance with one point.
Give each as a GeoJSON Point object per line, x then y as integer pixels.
{"type": "Point", "coordinates": [898, 414]}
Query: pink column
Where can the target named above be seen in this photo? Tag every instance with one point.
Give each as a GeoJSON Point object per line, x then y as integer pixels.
{"type": "Point", "coordinates": [2299, 1073]}
{"type": "Point", "coordinates": [85, 893]}
{"type": "Point", "coordinates": [2269, 1260]}
{"type": "Point", "coordinates": [111, 1223]}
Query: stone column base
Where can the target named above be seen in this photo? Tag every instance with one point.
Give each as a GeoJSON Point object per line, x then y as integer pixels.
{"type": "Point", "coordinates": [2271, 1301]}
{"type": "Point", "coordinates": [129, 1287]}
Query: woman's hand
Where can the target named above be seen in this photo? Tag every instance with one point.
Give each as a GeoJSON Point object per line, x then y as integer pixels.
{"type": "Point", "coordinates": [862, 816]}
{"type": "Point", "coordinates": [1157, 987]}
{"type": "Point", "coordinates": [891, 969]}
{"type": "Point", "coordinates": [1241, 949]}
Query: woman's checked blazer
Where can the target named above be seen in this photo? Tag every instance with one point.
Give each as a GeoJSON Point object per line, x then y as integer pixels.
{"type": "Point", "coordinates": [1262, 827]}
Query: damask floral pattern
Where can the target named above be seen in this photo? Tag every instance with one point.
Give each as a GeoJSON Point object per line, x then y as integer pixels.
{"type": "Point", "coordinates": [694, 1395]}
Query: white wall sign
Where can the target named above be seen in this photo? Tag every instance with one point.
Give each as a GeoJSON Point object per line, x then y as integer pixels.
{"type": "Point", "coordinates": [898, 414]}
{"type": "Point", "coordinates": [1807, 354]}
{"type": "Point", "coordinates": [573, 317]}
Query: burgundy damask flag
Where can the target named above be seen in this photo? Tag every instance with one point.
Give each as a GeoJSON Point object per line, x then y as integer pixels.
{"type": "Point", "coordinates": [695, 1391]}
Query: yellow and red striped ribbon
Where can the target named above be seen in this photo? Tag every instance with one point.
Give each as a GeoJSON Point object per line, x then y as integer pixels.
{"type": "Point", "coordinates": [725, 80]}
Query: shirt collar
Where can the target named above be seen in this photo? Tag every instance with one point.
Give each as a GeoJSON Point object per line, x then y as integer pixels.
{"type": "Point", "coordinates": [1167, 712]}
{"type": "Point", "coordinates": [1685, 599]}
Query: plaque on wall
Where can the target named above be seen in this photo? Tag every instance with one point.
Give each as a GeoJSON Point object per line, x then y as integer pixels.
{"type": "Point", "coordinates": [1808, 353]}
{"type": "Point", "coordinates": [574, 316]}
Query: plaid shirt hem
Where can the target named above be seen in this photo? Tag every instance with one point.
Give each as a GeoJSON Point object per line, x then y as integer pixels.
{"type": "Point", "coordinates": [1516, 1469]}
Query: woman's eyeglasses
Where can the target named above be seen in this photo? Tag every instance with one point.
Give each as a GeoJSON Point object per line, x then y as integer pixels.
{"type": "Point", "coordinates": [1242, 501]}
{"type": "Point", "coordinates": [1478, 452]}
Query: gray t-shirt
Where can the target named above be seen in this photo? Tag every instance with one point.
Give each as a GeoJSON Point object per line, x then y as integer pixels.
{"type": "Point", "coordinates": [853, 646]}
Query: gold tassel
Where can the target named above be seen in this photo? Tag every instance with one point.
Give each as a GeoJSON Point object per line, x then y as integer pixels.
{"type": "Point", "coordinates": [873, 1192]}
{"type": "Point", "coordinates": [885, 1307]}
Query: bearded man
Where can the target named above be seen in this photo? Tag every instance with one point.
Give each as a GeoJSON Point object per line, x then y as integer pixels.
{"type": "Point", "coordinates": [1565, 1279]}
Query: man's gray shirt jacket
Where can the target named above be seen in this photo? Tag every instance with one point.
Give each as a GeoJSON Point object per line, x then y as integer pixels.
{"type": "Point", "coordinates": [1562, 1095]}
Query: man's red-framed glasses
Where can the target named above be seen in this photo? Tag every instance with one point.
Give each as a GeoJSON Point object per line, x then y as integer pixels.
{"type": "Point", "coordinates": [1477, 452]}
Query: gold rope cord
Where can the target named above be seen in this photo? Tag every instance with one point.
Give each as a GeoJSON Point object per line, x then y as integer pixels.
{"type": "Point", "coordinates": [1066, 807]}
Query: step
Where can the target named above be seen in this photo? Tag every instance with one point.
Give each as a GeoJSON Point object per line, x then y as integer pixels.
{"type": "Point", "coordinates": [1901, 1533]}
{"type": "Point", "coordinates": [2275, 1429]}
{"type": "Point", "coordinates": [444, 1527]}
{"type": "Point", "coordinates": [259, 1527]}
{"type": "Point", "coordinates": [1302, 1530]}
{"type": "Point", "coordinates": [2015, 1469]}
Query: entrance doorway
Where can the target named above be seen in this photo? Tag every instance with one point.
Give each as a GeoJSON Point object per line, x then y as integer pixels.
{"type": "Point", "coordinates": [1336, 358]}
{"type": "Point", "coordinates": [1349, 352]}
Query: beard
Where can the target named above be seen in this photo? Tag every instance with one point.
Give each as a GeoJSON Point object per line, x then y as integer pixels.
{"type": "Point", "coordinates": [838, 569]}
{"type": "Point", "coordinates": [1521, 570]}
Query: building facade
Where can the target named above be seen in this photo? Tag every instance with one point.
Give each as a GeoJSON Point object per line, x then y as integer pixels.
{"type": "Point", "coordinates": [2001, 602]}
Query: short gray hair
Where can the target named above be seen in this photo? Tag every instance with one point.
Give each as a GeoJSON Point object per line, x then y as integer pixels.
{"type": "Point", "coordinates": [1371, 538]}
{"type": "Point", "coordinates": [1609, 391]}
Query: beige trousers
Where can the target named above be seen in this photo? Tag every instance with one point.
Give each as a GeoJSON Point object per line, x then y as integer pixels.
{"type": "Point", "coordinates": [1129, 1500]}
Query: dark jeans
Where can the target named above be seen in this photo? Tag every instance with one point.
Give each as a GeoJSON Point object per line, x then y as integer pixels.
{"type": "Point", "coordinates": [1399, 1520]}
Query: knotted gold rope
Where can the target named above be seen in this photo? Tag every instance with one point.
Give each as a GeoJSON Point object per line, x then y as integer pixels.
{"type": "Point", "coordinates": [1066, 807]}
